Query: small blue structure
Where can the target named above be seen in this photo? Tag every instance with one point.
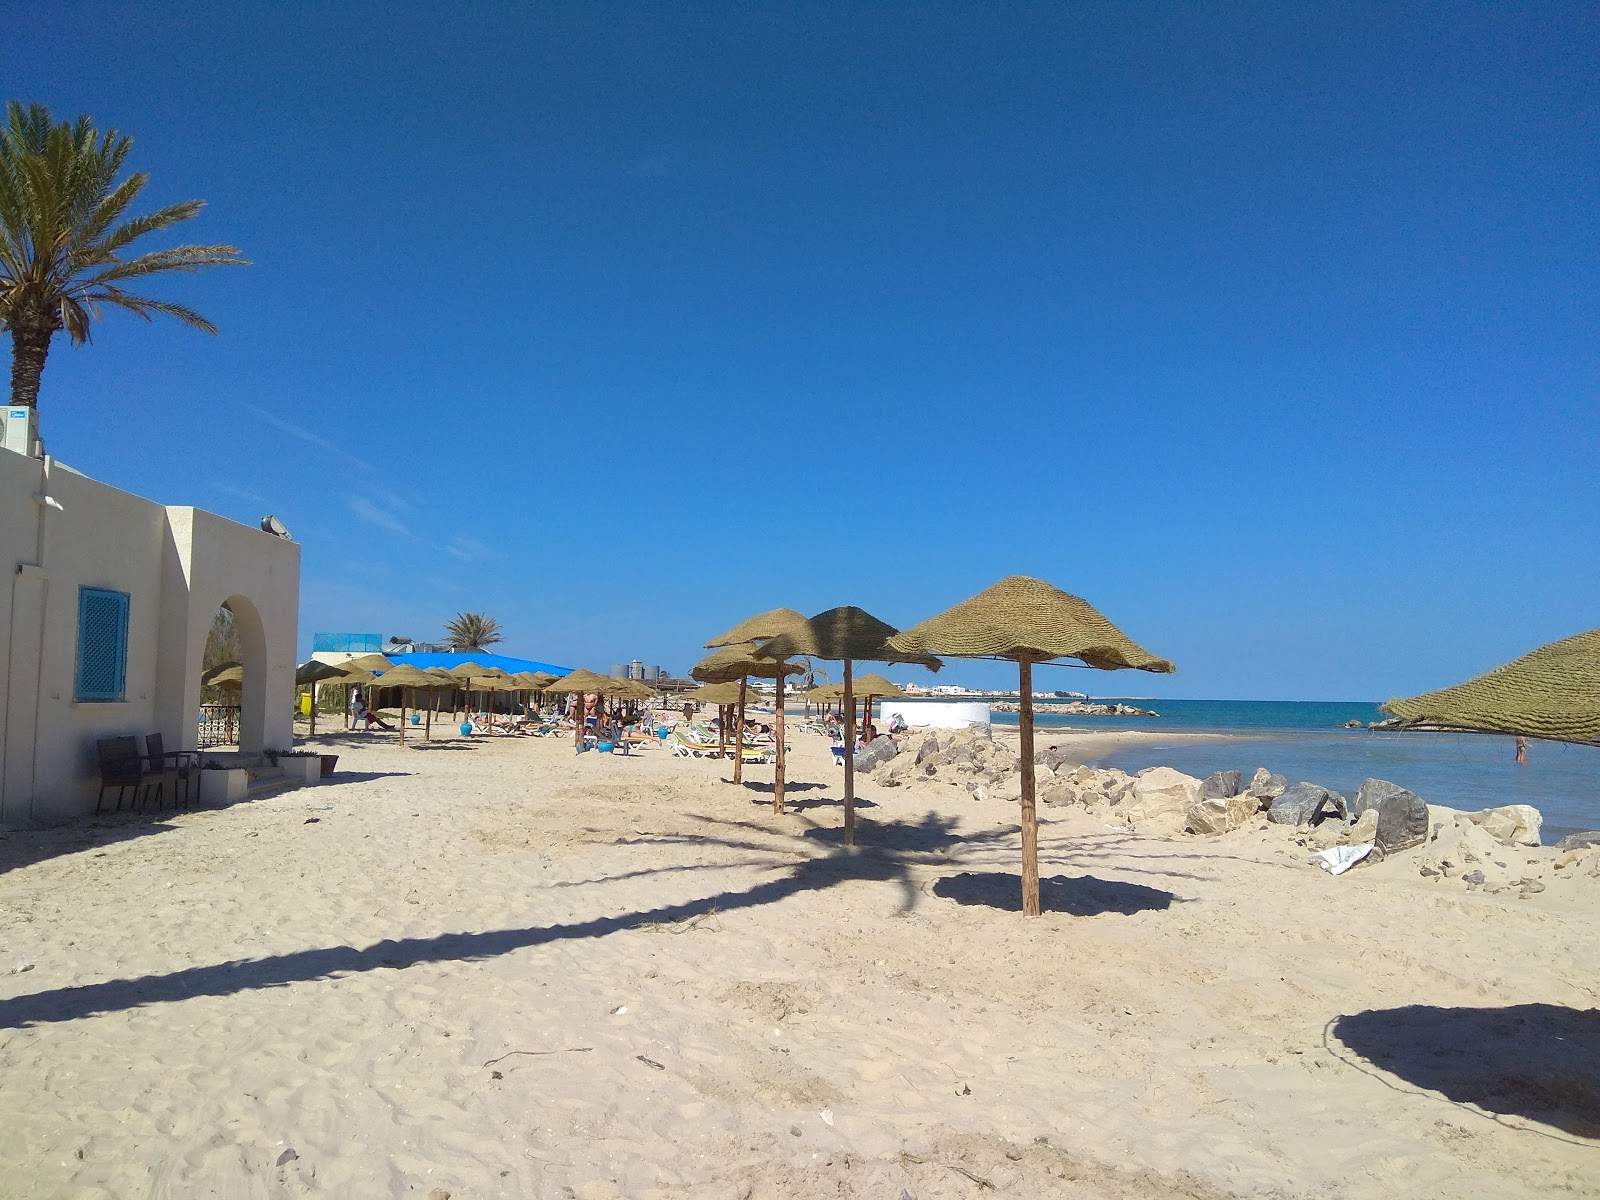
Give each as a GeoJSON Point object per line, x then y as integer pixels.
{"type": "Point", "coordinates": [511, 666]}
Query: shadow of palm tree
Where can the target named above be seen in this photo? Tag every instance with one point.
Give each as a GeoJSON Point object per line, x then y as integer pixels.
{"type": "Point", "coordinates": [223, 979]}
{"type": "Point", "coordinates": [1083, 896]}
{"type": "Point", "coordinates": [1540, 1061]}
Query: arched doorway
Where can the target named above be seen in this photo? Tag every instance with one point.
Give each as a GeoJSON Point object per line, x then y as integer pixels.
{"type": "Point", "coordinates": [234, 677]}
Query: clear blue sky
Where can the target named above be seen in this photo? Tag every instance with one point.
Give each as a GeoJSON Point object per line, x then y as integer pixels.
{"type": "Point", "coordinates": [1269, 329]}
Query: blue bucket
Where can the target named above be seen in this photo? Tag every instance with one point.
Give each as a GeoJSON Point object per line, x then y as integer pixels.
{"type": "Point", "coordinates": [604, 747]}
{"type": "Point", "coordinates": [466, 729]}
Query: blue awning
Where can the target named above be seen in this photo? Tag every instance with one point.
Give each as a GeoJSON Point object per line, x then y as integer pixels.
{"type": "Point", "coordinates": [511, 666]}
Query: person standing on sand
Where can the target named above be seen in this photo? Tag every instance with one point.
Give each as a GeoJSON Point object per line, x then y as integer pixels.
{"type": "Point", "coordinates": [1522, 749]}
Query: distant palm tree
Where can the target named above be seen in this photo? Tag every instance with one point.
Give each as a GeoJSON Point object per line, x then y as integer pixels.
{"type": "Point", "coordinates": [472, 631]}
{"type": "Point", "coordinates": [63, 228]}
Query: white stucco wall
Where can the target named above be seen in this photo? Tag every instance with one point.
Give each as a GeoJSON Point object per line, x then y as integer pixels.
{"type": "Point", "coordinates": [177, 566]}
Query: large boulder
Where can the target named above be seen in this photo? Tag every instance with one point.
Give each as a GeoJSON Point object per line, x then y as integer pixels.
{"type": "Point", "coordinates": [1220, 785]}
{"type": "Point", "coordinates": [1510, 824]}
{"type": "Point", "coordinates": [897, 771]}
{"type": "Point", "coordinates": [1211, 815]}
{"type": "Point", "coordinates": [1159, 800]}
{"type": "Point", "coordinates": [879, 751]}
{"type": "Point", "coordinates": [1055, 758]}
{"type": "Point", "coordinates": [1402, 815]}
{"type": "Point", "coordinates": [1307, 804]}
{"type": "Point", "coordinates": [1579, 841]}
{"type": "Point", "coordinates": [927, 748]}
{"type": "Point", "coordinates": [1266, 787]}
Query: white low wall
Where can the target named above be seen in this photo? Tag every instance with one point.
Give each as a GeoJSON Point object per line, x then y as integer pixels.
{"type": "Point", "coordinates": [933, 714]}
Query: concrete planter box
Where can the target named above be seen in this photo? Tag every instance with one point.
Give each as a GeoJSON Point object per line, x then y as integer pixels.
{"type": "Point", "coordinates": [301, 770]}
{"type": "Point", "coordinates": [224, 785]}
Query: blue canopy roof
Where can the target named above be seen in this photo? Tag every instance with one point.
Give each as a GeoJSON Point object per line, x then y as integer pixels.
{"type": "Point", "coordinates": [511, 666]}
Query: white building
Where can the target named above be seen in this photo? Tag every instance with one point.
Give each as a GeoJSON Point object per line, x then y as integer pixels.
{"type": "Point", "coordinates": [103, 625]}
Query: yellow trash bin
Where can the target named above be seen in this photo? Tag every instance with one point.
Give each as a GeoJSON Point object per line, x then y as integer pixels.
{"type": "Point", "coordinates": [305, 704]}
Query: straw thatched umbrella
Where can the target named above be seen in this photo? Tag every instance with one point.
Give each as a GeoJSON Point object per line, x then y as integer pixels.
{"type": "Point", "coordinates": [492, 680]}
{"type": "Point", "coordinates": [407, 678]}
{"type": "Point", "coordinates": [1028, 621]}
{"type": "Point", "coordinates": [1551, 693]}
{"type": "Point", "coordinates": [314, 672]}
{"type": "Point", "coordinates": [368, 662]}
{"type": "Point", "coordinates": [740, 661]}
{"type": "Point", "coordinates": [874, 687]}
{"type": "Point", "coordinates": [581, 683]}
{"type": "Point", "coordinates": [465, 673]}
{"type": "Point", "coordinates": [849, 635]}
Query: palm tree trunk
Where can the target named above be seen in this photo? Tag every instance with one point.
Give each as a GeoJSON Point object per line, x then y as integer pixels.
{"type": "Point", "coordinates": [29, 348]}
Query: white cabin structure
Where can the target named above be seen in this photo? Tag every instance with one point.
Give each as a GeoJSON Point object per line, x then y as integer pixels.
{"type": "Point", "coordinates": [103, 624]}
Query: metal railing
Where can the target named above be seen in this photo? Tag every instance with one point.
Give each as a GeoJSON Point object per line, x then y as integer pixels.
{"type": "Point", "coordinates": [219, 725]}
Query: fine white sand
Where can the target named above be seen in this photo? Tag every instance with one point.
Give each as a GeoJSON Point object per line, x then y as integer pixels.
{"type": "Point", "coordinates": [496, 968]}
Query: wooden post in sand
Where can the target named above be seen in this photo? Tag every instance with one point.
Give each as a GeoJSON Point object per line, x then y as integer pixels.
{"type": "Point", "coordinates": [777, 770]}
{"type": "Point", "coordinates": [724, 715]}
{"type": "Point", "coordinates": [1030, 815]}
{"type": "Point", "coordinates": [402, 716]}
{"type": "Point", "coordinates": [849, 759]}
{"type": "Point", "coordinates": [738, 734]}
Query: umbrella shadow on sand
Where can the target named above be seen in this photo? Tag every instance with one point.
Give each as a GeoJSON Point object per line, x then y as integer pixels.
{"type": "Point", "coordinates": [1538, 1061]}
{"type": "Point", "coordinates": [1081, 896]}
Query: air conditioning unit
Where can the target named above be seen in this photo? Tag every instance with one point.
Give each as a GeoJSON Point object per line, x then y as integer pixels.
{"type": "Point", "coordinates": [20, 430]}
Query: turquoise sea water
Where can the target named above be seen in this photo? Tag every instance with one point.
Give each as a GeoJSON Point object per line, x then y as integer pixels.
{"type": "Point", "coordinates": [1304, 740]}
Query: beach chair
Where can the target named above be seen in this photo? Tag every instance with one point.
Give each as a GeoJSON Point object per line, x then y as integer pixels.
{"type": "Point", "coordinates": [174, 766]}
{"type": "Point", "coordinates": [687, 746]}
{"type": "Point", "coordinates": [121, 767]}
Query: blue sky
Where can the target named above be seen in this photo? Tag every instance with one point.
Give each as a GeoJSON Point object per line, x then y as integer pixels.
{"type": "Point", "coordinates": [1269, 329]}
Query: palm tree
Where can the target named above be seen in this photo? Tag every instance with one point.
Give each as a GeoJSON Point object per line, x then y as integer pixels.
{"type": "Point", "coordinates": [472, 631]}
{"type": "Point", "coordinates": [63, 230]}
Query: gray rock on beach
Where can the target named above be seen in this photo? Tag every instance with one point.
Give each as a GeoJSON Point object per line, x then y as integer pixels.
{"type": "Point", "coordinates": [880, 751]}
{"type": "Point", "coordinates": [1221, 785]}
{"type": "Point", "coordinates": [1307, 804]}
{"type": "Point", "coordinates": [1266, 787]}
{"type": "Point", "coordinates": [1402, 815]}
{"type": "Point", "coordinates": [1579, 841]}
{"type": "Point", "coordinates": [1212, 815]}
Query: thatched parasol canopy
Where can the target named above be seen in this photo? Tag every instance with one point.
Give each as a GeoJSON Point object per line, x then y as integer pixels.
{"type": "Point", "coordinates": [850, 635]}
{"type": "Point", "coordinates": [878, 686]}
{"type": "Point", "coordinates": [738, 661]}
{"type": "Point", "coordinates": [826, 693]}
{"type": "Point", "coordinates": [732, 663]}
{"type": "Point", "coordinates": [1028, 620]}
{"type": "Point", "coordinates": [715, 693]}
{"type": "Point", "coordinates": [845, 633]}
{"type": "Point", "coordinates": [1552, 692]}
{"type": "Point", "coordinates": [584, 682]}
{"type": "Point", "coordinates": [775, 622]}
{"type": "Point", "coordinates": [368, 662]}
{"type": "Point", "coordinates": [316, 671]}
{"type": "Point", "coordinates": [408, 676]}
{"type": "Point", "coordinates": [541, 680]}
{"type": "Point", "coordinates": [227, 674]}
{"type": "Point", "coordinates": [1019, 618]}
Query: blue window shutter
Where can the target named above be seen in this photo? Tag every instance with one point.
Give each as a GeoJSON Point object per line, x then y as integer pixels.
{"type": "Point", "coordinates": [102, 645]}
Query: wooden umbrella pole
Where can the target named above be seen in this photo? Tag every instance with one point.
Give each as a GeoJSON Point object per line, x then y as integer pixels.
{"type": "Point", "coordinates": [427, 724]}
{"type": "Point", "coordinates": [402, 716]}
{"type": "Point", "coordinates": [313, 732]}
{"type": "Point", "coordinates": [777, 770]}
{"type": "Point", "coordinates": [849, 759]}
{"type": "Point", "coordinates": [1030, 816]}
{"type": "Point", "coordinates": [724, 715]}
{"type": "Point", "coordinates": [738, 735]}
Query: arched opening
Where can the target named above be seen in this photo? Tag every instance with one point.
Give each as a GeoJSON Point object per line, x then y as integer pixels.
{"type": "Point", "coordinates": [233, 678]}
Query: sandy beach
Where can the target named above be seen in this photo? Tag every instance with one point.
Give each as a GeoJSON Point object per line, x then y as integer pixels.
{"type": "Point", "coordinates": [494, 968]}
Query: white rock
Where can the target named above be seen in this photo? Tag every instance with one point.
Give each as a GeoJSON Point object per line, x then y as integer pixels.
{"type": "Point", "coordinates": [1160, 800]}
{"type": "Point", "coordinates": [1510, 824]}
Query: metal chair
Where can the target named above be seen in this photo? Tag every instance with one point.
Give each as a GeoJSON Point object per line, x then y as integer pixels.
{"type": "Point", "coordinates": [185, 764]}
{"type": "Point", "coordinates": [121, 767]}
